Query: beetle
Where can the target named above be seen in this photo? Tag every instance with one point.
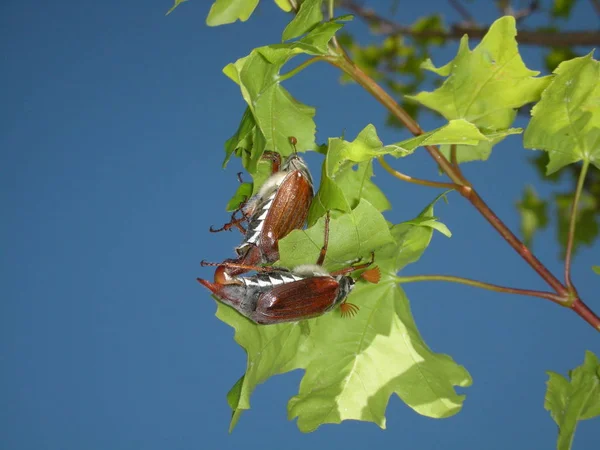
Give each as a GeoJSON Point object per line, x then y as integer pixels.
{"type": "Point", "coordinates": [280, 206]}
{"type": "Point", "coordinates": [277, 295]}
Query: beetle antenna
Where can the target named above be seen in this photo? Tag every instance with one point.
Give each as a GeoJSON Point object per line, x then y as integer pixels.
{"type": "Point", "coordinates": [293, 141]}
{"type": "Point", "coordinates": [371, 275]}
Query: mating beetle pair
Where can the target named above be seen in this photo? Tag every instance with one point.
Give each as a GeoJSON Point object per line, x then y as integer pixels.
{"type": "Point", "coordinates": [276, 295]}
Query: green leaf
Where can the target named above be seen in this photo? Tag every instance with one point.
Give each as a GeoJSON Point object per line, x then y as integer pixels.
{"type": "Point", "coordinates": [308, 16]}
{"type": "Point", "coordinates": [271, 350]}
{"type": "Point", "coordinates": [587, 221]}
{"type": "Point", "coordinates": [176, 3]}
{"type": "Point", "coordinates": [413, 237]}
{"type": "Point", "coordinates": [596, 269]}
{"type": "Point", "coordinates": [570, 401]}
{"type": "Point", "coordinates": [380, 345]}
{"type": "Point", "coordinates": [379, 353]}
{"type": "Point", "coordinates": [228, 11]}
{"type": "Point", "coordinates": [243, 137]}
{"type": "Point", "coordinates": [351, 236]}
{"type": "Point", "coordinates": [485, 86]}
{"type": "Point", "coordinates": [343, 182]}
{"type": "Point", "coordinates": [562, 8]}
{"type": "Point", "coordinates": [566, 121]}
{"type": "Point", "coordinates": [276, 114]}
{"type": "Point", "coordinates": [285, 5]}
{"type": "Point", "coordinates": [472, 143]}
{"type": "Point", "coordinates": [243, 193]}
{"type": "Point", "coordinates": [534, 214]}
{"type": "Point", "coordinates": [359, 363]}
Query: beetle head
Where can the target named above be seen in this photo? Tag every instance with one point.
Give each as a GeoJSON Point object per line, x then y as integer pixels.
{"type": "Point", "coordinates": [296, 163]}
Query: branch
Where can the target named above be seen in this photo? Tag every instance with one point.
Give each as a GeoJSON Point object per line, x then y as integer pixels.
{"type": "Point", "coordinates": [542, 38]}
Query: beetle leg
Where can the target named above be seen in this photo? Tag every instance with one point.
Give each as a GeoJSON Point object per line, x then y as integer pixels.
{"type": "Point", "coordinates": [350, 269]}
{"type": "Point", "coordinates": [275, 159]}
{"type": "Point", "coordinates": [234, 222]}
{"type": "Point", "coordinates": [325, 241]}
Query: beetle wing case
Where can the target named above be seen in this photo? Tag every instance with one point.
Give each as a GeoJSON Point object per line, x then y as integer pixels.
{"type": "Point", "coordinates": [295, 301]}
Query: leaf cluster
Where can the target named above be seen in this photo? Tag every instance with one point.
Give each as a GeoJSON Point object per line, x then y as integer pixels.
{"type": "Point", "coordinates": [352, 367]}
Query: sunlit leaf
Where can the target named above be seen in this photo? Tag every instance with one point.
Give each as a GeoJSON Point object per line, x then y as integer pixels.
{"type": "Point", "coordinates": [596, 269]}
{"type": "Point", "coordinates": [566, 121]}
{"type": "Point", "coordinates": [343, 181]}
{"type": "Point", "coordinates": [243, 193]}
{"type": "Point", "coordinates": [308, 16]}
{"type": "Point", "coordinates": [228, 11]}
{"type": "Point", "coordinates": [352, 365]}
{"type": "Point", "coordinates": [574, 399]}
{"type": "Point", "coordinates": [534, 214]}
{"type": "Point", "coordinates": [284, 5]}
{"type": "Point", "coordinates": [275, 112]}
{"type": "Point", "coordinates": [485, 86]}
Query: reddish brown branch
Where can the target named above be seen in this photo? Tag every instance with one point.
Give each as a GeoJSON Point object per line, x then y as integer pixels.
{"type": "Point", "coordinates": [542, 38]}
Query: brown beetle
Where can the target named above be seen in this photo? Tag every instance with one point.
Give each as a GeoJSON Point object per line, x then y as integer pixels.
{"type": "Point", "coordinates": [276, 295]}
{"type": "Point", "coordinates": [280, 206]}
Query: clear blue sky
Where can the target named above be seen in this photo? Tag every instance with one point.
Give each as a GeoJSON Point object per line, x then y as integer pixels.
{"type": "Point", "coordinates": [112, 124]}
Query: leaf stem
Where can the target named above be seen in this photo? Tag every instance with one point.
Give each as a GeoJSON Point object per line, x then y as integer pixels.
{"type": "Point", "coordinates": [408, 178]}
{"type": "Point", "coordinates": [480, 284]}
{"type": "Point", "coordinates": [454, 161]}
{"type": "Point", "coordinates": [299, 68]}
{"type": "Point", "coordinates": [572, 225]}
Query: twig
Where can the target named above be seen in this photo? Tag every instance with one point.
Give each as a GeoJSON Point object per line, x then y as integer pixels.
{"type": "Point", "coordinates": [539, 37]}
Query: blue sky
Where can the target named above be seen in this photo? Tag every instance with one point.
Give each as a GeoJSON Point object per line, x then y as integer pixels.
{"type": "Point", "coordinates": [112, 124]}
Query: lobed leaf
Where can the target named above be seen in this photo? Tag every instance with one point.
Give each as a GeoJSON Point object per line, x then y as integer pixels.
{"type": "Point", "coordinates": [275, 114]}
{"type": "Point", "coordinates": [485, 86]}
{"type": "Point", "coordinates": [566, 121]}
{"type": "Point", "coordinates": [359, 363]}
{"type": "Point", "coordinates": [352, 365]}
{"type": "Point", "coordinates": [570, 401]}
